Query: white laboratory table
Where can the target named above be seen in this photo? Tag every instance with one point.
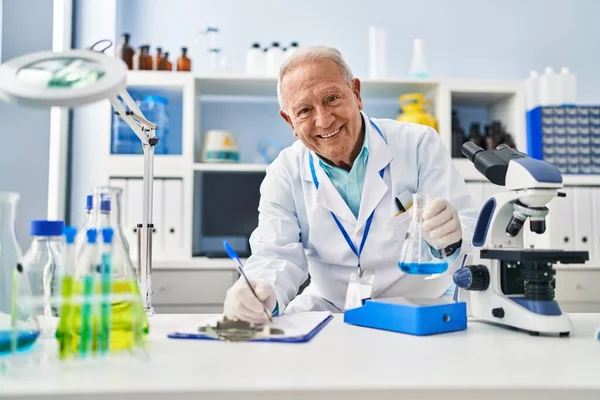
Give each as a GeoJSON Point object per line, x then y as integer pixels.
{"type": "Point", "coordinates": [342, 361]}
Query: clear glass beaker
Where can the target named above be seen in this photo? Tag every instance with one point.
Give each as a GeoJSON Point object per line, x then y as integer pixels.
{"type": "Point", "coordinates": [417, 257]}
{"type": "Point", "coordinates": [18, 325]}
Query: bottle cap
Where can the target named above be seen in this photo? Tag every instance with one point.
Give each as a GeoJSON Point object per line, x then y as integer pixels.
{"type": "Point", "coordinates": [294, 44]}
{"type": "Point", "coordinates": [548, 71]}
{"type": "Point", "coordinates": [89, 199]}
{"type": "Point", "coordinates": [184, 49]}
{"type": "Point", "coordinates": [565, 70]}
{"type": "Point", "coordinates": [105, 205]}
{"type": "Point", "coordinates": [46, 228]}
{"type": "Point", "coordinates": [533, 73]}
{"type": "Point", "coordinates": [275, 44]}
{"type": "Point", "coordinates": [91, 235]}
{"type": "Point", "coordinates": [159, 49]}
{"type": "Point", "coordinates": [70, 233]}
{"type": "Point", "coordinates": [256, 45]}
{"type": "Point", "coordinates": [107, 235]}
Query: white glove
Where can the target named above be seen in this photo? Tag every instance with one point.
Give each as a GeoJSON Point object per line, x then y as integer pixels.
{"type": "Point", "coordinates": [240, 302]}
{"type": "Point", "coordinates": [441, 226]}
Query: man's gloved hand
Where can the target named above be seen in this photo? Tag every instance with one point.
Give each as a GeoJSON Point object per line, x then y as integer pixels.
{"type": "Point", "coordinates": [240, 302]}
{"type": "Point", "coordinates": [441, 226]}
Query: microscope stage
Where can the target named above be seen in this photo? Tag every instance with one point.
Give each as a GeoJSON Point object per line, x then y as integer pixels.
{"type": "Point", "coordinates": [535, 255]}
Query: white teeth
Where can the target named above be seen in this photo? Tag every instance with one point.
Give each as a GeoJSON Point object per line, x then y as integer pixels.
{"type": "Point", "coordinates": [330, 135]}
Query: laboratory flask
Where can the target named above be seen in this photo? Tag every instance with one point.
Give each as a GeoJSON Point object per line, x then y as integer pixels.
{"type": "Point", "coordinates": [417, 255]}
{"type": "Point", "coordinates": [18, 325]}
{"type": "Point", "coordinates": [128, 315]}
{"type": "Point", "coordinates": [43, 265]}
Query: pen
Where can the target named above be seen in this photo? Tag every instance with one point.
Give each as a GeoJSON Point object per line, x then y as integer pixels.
{"type": "Point", "coordinates": [233, 255]}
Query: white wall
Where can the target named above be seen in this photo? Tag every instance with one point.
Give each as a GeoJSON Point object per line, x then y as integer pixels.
{"type": "Point", "coordinates": [25, 132]}
{"type": "Point", "coordinates": [463, 38]}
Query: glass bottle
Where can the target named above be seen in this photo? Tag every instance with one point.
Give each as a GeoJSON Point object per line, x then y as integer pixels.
{"type": "Point", "coordinates": [43, 264]}
{"type": "Point", "coordinates": [183, 62]}
{"type": "Point", "coordinates": [166, 64]}
{"type": "Point", "coordinates": [125, 51]}
{"type": "Point", "coordinates": [417, 255]}
{"type": "Point", "coordinates": [157, 59]}
{"type": "Point", "coordinates": [18, 325]}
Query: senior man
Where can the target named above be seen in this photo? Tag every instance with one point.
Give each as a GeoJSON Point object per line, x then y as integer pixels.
{"type": "Point", "coordinates": [331, 203]}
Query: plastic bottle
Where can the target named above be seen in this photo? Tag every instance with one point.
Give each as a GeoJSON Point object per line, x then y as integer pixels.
{"type": "Point", "coordinates": [183, 62]}
{"type": "Point", "coordinates": [377, 52]}
{"type": "Point", "coordinates": [418, 65]}
{"type": "Point", "coordinates": [255, 60]}
{"type": "Point", "coordinates": [568, 84]}
{"type": "Point", "coordinates": [550, 88]}
{"type": "Point", "coordinates": [43, 264]}
{"type": "Point", "coordinates": [273, 59]}
{"type": "Point", "coordinates": [125, 51]}
{"type": "Point", "coordinates": [532, 90]}
{"type": "Point", "coordinates": [155, 109]}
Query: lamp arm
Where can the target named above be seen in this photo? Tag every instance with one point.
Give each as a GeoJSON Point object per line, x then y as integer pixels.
{"type": "Point", "coordinates": [134, 118]}
{"type": "Point", "coordinates": [146, 132]}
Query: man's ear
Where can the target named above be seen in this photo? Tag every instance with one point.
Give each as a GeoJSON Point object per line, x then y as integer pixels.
{"type": "Point", "coordinates": [286, 118]}
{"type": "Point", "coordinates": [356, 90]}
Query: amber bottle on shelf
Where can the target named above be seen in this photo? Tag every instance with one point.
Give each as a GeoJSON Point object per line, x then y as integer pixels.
{"type": "Point", "coordinates": [165, 64]}
{"type": "Point", "coordinates": [184, 63]}
{"type": "Point", "coordinates": [125, 51]}
{"type": "Point", "coordinates": [157, 59]}
{"type": "Point", "coordinates": [142, 60]}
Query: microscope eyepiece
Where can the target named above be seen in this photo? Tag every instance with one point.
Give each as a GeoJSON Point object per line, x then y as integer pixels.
{"type": "Point", "coordinates": [469, 149]}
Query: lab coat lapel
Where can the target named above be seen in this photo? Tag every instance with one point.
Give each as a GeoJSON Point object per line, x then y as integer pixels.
{"type": "Point", "coordinates": [374, 186]}
{"type": "Point", "coordinates": [327, 195]}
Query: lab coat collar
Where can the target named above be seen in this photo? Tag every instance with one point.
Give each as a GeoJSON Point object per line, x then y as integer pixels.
{"type": "Point", "coordinates": [374, 187]}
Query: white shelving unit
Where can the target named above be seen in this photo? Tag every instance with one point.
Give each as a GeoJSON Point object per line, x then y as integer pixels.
{"type": "Point", "coordinates": [504, 100]}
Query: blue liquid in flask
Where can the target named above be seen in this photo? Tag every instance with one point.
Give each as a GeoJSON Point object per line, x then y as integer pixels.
{"type": "Point", "coordinates": [423, 268]}
{"type": "Point", "coordinates": [25, 340]}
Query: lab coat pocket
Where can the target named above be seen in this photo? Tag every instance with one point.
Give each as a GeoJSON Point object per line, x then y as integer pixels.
{"type": "Point", "coordinates": [402, 219]}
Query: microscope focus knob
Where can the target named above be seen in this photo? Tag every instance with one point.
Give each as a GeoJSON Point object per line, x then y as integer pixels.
{"type": "Point", "coordinates": [472, 277]}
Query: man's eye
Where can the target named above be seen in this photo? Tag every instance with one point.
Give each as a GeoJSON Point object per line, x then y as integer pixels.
{"type": "Point", "coordinates": [303, 111]}
{"type": "Point", "coordinates": [332, 98]}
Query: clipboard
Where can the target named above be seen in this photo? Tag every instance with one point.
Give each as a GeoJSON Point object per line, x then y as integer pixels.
{"type": "Point", "coordinates": [303, 338]}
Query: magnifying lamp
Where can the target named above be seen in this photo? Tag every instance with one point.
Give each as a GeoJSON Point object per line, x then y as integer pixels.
{"type": "Point", "coordinates": [74, 78]}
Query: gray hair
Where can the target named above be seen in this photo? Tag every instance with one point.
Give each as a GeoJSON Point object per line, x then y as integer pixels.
{"type": "Point", "coordinates": [312, 53]}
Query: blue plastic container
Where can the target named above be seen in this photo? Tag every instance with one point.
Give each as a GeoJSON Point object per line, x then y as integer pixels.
{"type": "Point", "coordinates": [155, 109]}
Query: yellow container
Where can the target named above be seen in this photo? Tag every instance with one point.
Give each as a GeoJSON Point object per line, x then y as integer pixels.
{"type": "Point", "coordinates": [412, 105]}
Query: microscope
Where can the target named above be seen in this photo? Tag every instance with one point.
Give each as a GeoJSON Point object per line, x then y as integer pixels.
{"type": "Point", "coordinates": [507, 284]}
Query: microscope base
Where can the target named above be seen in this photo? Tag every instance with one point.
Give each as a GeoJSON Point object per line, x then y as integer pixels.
{"type": "Point", "coordinates": [507, 311]}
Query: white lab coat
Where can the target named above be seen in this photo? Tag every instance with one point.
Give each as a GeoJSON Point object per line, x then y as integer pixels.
{"type": "Point", "coordinates": [297, 235]}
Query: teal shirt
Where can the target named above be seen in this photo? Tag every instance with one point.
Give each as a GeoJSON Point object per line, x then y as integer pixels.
{"type": "Point", "coordinates": [349, 184]}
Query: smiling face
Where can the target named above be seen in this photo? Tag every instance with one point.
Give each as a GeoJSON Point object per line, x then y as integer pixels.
{"type": "Point", "coordinates": [323, 110]}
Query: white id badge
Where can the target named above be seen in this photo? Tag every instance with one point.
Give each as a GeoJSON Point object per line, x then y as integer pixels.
{"type": "Point", "coordinates": [359, 289]}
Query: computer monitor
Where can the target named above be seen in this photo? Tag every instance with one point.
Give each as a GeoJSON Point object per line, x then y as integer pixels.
{"type": "Point", "coordinates": [228, 211]}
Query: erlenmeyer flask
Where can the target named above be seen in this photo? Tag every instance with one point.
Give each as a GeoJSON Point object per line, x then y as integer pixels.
{"type": "Point", "coordinates": [129, 322]}
{"type": "Point", "coordinates": [417, 255]}
{"type": "Point", "coordinates": [18, 325]}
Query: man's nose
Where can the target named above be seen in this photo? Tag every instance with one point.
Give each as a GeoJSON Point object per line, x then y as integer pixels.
{"type": "Point", "coordinates": [324, 119]}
